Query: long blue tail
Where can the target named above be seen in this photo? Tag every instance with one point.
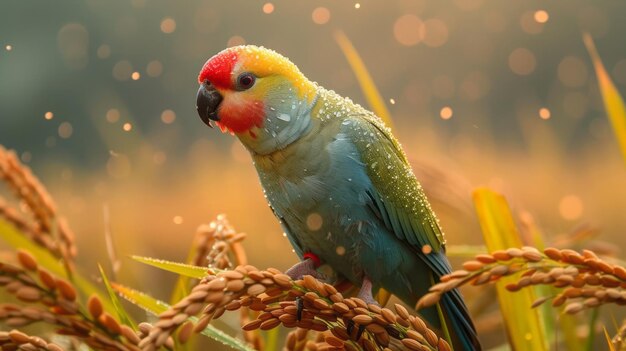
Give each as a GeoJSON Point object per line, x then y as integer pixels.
{"type": "Point", "coordinates": [460, 326]}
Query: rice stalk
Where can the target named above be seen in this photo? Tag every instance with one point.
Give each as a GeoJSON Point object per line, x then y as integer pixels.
{"type": "Point", "coordinates": [354, 324]}
{"type": "Point", "coordinates": [219, 245]}
{"type": "Point", "coordinates": [49, 230]}
{"type": "Point", "coordinates": [54, 301]}
{"type": "Point", "coordinates": [583, 280]}
{"type": "Point", "coordinates": [17, 340]}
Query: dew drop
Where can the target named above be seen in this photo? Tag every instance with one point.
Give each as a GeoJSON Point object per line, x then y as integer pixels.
{"type": "Point", "coordinates": [285, 117]}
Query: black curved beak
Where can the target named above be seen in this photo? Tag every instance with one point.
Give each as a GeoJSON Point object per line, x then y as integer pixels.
{"type": "Point", "coordinates": [207, 102]}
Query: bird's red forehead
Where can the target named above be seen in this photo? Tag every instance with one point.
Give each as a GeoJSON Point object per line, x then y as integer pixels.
{"type": "Point", "coordinates": [218, 69]}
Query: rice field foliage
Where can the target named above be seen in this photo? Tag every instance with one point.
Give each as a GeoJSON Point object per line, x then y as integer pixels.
{"type": "Point", "coordinates": [45, 293]}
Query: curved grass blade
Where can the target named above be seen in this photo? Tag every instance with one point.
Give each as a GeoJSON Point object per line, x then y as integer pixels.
{"type": "Point", "coordinates": [608, 340]}
{"type": "Point", "coordinates": [523, 324]}
{"type": "Point", "coordinates": [366, 82]}
{"type": "Point", "coordinates": [179, 268]}
{"type": "Point", "coordinates": [119, 308]}
{"type": "Point", "coordinates": [156, 307]}
{"type": "Point", "coordinates": [613, 102]}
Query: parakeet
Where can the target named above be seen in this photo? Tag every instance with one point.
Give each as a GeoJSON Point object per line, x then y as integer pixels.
{"type": "Point", "coordinates": [336, 178]}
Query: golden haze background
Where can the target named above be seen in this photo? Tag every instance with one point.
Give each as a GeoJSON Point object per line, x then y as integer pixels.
{"type": "Point", "coordinates": [98, 98]}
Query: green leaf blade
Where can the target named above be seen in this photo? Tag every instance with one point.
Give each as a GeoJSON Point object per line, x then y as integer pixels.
{"type": "Point", "coordinates": [175, 267]}
{"type": "Point", "coordinates": [156, 307]}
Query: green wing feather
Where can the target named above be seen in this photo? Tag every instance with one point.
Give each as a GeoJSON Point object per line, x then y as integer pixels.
{"type": "Point", "coordinates": [397, 195]}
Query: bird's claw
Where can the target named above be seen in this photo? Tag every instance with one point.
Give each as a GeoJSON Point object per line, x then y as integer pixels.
{"type": "Point", "coordinates": [350, 328]}
{"type": "Point", "coordinates": [359, 332]}
{"type": "Point", "coordinates": [300, 308]}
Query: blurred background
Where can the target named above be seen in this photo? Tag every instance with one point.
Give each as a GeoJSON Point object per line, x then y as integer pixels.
{"type": "Point", "coordinates": [98, 98]}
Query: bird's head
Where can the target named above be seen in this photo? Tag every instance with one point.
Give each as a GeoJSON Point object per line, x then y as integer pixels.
{"type": "Point", "coordinates": [256, 94]}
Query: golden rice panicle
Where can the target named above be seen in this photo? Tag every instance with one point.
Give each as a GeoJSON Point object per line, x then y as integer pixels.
{"type": "Point", "coordinates": [54, 301]}
{"type": "Point", "coordinates": [307, 304]}
{"type": "Point", "coordinates": [48, 228]}
{"type": "Point", "coordinates": [585, 280]}
{"type": "Point", "coordinates": [219, 245]}
{"type": "Point", "coordinates": [17, 340]}
{"type": "Point", "coordinates": [297, 339]}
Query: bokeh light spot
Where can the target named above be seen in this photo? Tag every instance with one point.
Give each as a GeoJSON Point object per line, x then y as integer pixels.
{"type": "Point", "coordinates": [522, 61]}
{"type": "Point", "coordinates": [235, 40]}
{"type": "Point", "coordinates": [544, 113]}
{"type": "Point", "coordinates": [104, 51]}
{"type": "Point", "coordinates": [26, 156]}
{"type": "Point", "coordinates": [168, 25]}
{"type": "Point", "coordinates": [177, 220]}
{"type": "Point", "coordinates": [135, 76]}
{"type": "Point", "coordinates": [357, 6]}
{"type": "Point", "coordinates": [268, 8]}
{"type": "Point", "coordinates": [154, 68]}
{"type": "Point", "coordinates": [65, 130]}
{"type": "Point", "coordinates": [314, 221]}
{"type": "Point", "coordinates": [392, 101]}
{"type": "Point", "coordinates": [127, 127]}
{"type": "Point", "coordinates": [541, 16]}
{"type": "Point", "coordinates": [168, 116]}
{"type": "Point", "coordinates": [8, 47]}
{"type": "Point", "coordinates": [320, 15]}
{"type": "Point", "coordinates": [446, 112]}
{"type": "Point", "coordinates": [48, 115]}
{"type": "Point", "coordinates": [571, 207]}
{"type": "Point", "coordinates": [340, 250]}
{"type": "Point", "coordinates": [427, 249]}
{"type": "Point", "coordinates": [112, 115]}
{"type": "Point", "coordinates": [122, 70]}
{"type": "Point", "coordinates": [572, 72]}
{"type": "Point", "coordinates": [408, 30]}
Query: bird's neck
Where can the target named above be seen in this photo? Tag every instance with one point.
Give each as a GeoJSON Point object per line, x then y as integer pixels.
{"type": "Point", "coordinates": [283, 125]}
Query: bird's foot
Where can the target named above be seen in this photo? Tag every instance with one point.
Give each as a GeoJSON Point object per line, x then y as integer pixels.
{"type": "Point", "coordinates": [300, 269]}
{"type": "Point", "coordinates": [365, 293]}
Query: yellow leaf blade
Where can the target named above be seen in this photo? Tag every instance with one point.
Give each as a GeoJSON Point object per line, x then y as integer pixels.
{"type": "Point", "coordinates": [523, 324]}
{"type": "Point", "coordinates": [613, 102]}
{"type": "Point", "coordinates": [377, 104]}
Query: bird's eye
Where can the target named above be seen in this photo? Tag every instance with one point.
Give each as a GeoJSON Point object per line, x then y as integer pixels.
{"type": "Point", "coordinates": [245, 81]}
